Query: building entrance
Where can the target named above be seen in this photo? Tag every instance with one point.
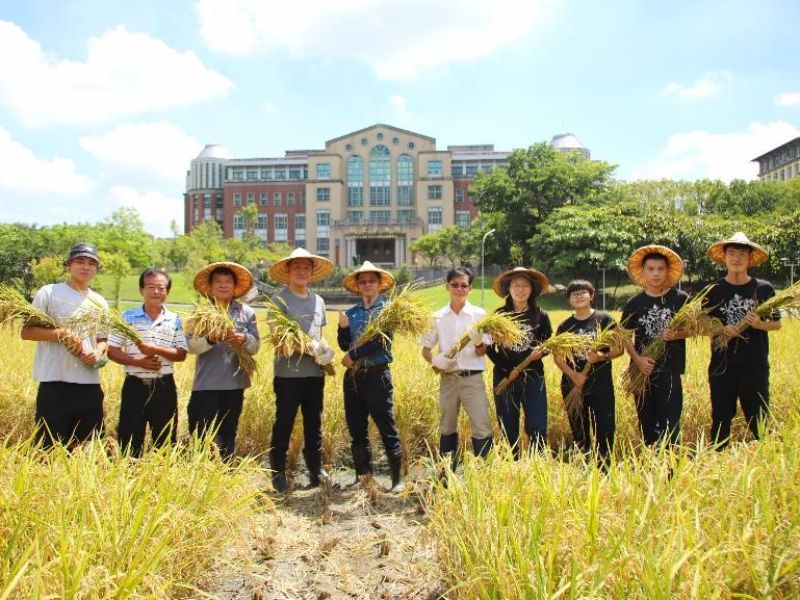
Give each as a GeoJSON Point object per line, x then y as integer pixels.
{"type": "Point", "coordinates": [380, 251]}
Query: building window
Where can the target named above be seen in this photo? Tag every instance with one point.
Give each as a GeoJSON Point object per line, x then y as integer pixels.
{"type": "Point", "coordinates": [263, 199]}
{"type": "Point", "coordinates": [252, 174]}
{"type": "Point", "coordinates": [405, 180]}
{"type": "Point", "coordinates": [266, 174]}
{"type": "Point", "coordinates": [459, 195]}
{"type": "Point", "coordinates": [262, 222]}
{"type": "Point", "coordinates": [457, 170]}
{"type": "Point", "coordinates": [281, 227]}
{"type": "Point", "coordinates": [300, 223]}
{"type": "Point", "coordinates": [395, 140]}
{"type": "Point", "coordinates": [238, 175]}
{"type": "Point", "coordinates": [323, 194]}
{"type": "Point", "coordinates": [238, 222]}
{"type": "Point", "coordinates": [471, 169]}
{"type": "Point", "coordinates": [237, 199]}
{"type": "Point", "coordinates": [323, 170]}
{"type": "Point", "coordinates": [406, 216]}
{"type": "Point", "coordinates": [280, 174]}
{"type": "Point", "coordinates": [277, 199]}
{"type": "Point", "coordinates": [355, 181]}
{"type": "Point", "coordinates": [434, 192]}
{"type": "Point", "coordinates": [323, 218]}
{"type": "Point", "coordinates": [355, 216]}
{"type": "Point", "coordinates": [296, 173]}
{"type": "Point", "coordinates": [380, 176]}
{"type": "Point", "coordinates": [323, 245]}
{"type": "Point", "coordinates": [434, 168]}
{"type": "Point", "coordinates": [434, 218]}
{"type": "Point", "coordinates": [251, 198]}
{"type": "Point", "coordinates": [302, 198]}
{"type": "Point", "coordinates": [355, 196]}
{"type": "Point", "coordinates": [463, 218]}
{"type": "Point", "coordinates": [380, 216]}
{"type": "Point", "coordinates": [348, 147]}
{"type": "Point", "coordinates": [290, 199]}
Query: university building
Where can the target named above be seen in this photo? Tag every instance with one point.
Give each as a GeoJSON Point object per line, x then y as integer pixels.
{"type": "Point", "coordinates": [366, 196]}
{"type": "Point", "coordinates": [780, 163]}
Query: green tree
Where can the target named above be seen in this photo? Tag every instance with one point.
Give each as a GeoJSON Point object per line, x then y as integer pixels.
{"type": "Point", "coordinates": [116, 265]}
{"type": "Point", "coordinates": [47, 269]}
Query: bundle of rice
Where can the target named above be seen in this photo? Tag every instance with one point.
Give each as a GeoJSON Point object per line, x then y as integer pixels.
{"type": "Point", "coordinates": [503, 328]}
{"type": "Point", "coordinates": [564, 345]}
{"type": "Point", "coordinates": [211, 320]}
{"type": "Point", "coordinates": [93, 318]}
{"type": "Point", "coordinates": [610, 338]}
{"type": "Point", "coordinates": [287, 335]}
{"type": "Point", "coordinates": [16, 310]}
{"type": "Point", "coordinates": [402, 314]}
{"type": "Point", "coordinates": [786, 301]}
{"type": "Point", "coordinates": [692, 318]}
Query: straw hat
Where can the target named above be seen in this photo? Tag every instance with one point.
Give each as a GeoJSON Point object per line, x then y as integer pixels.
{"type": "Point", "coordinates": [350, 282]}
{"type": "Point", "coordinates": [758, 255]}
{"type": "Point", "coordinates": [636, 265]}
{"type": "Point", "coordinates": [244, 280]}
{"type": "Point", "coordinates": [539, 281]}
{"type": "Point", "coordinates": [321, 270]}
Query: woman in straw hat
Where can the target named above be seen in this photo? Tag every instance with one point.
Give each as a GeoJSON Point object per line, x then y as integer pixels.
{"type": "Point", "coordinates": [657, 269]}
{"type": "Point", "coordinates": [527, 393]}
{"type": "Point", "coordinates": [592, 420]}
{"type": "Point", "coordinates": [740, 368]}
{"type": "Point", "coordinates": [219, 381]}
{"type": "Point", "coordinates": [299, 379]}
{"type": "Point", "coordinates": [368, 381]}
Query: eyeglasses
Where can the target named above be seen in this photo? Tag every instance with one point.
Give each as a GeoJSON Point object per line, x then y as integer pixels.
{"type": "Point", "coordinates": [580, 293]}
{"type": "Point", "coordinates": [460, 286]}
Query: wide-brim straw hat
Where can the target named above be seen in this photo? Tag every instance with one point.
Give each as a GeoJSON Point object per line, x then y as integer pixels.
{"type": "Point", "coordinates": [636, 264]}
{"type": "Point", "coordinates": [538, 280]}
{"type": "Point", "coordinates": [322, 268]}
{"type": "Point", "coordinates": [244, 280]}
{"type": "Point", "coordinates": [350, 282]}
{"type": "Point", "coordinates": [758, 255]}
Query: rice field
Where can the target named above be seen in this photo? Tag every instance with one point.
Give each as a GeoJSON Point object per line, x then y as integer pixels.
{"type": "Point", "coordinates": [694, 523]}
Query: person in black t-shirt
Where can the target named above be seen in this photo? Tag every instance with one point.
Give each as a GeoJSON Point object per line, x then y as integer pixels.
{"type": "Point", "coordinates": [657, 269]}
{"type": "Point", "coordinates": [741, 368]}
{"type": "Point", "coordinates": [596, 412]}
{"type": "Point", "coordinates": [520, 287]}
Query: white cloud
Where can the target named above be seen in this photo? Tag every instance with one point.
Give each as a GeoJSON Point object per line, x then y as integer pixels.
{"type": "Point", "coordinates": [22, 172]}
{"type": "Point", "coordinates": [123, 74]}
{"type": "Point", "coordinates": [396, 39]}
{"type": "Point", "coordinates": [709, 84]}
{"type": "Point", "coordinates": [151, 151]}
{"type": "Point", "coordinates": [269, 108]}
{"type": "Point", "coordinates": [788, 99]}
{"type": "Point", "coordinates": [401, 114]}
{"type": "Point", "coordinates": [156, 209]}
{"type": "Point", "coordinates": [725, 156]}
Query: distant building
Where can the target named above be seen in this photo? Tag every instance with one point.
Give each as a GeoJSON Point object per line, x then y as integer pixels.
{"type": "Point", "coordinates": [366, 196]}
{"type": "Point", "coordinates": [780, 163]}
{"type": "Point", "coordinates": [566, 142]}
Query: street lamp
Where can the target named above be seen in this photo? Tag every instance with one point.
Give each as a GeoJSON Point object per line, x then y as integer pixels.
{"type": "Point", "coordinates": [603, 269]}
{"type": "Point", "coordinates": [483, 254]}
{"type": "Point", "coordinates": [791, 263]}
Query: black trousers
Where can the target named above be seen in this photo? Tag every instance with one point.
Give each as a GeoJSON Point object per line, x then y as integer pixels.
{"type": "Point", "coordinates": [219, 409]}
{"type": "Point", "coordinates": [292, 393]}
{"type": "Point", "coordinates": [751, 387]}
{"type": "Point", "coordinates": [660, 408]}
{"type": "Point", "coordinates": [68, 412]}
{"type": "Point", "coordinates": [369, 394]}
{"type": "Point", "coordinates": [153, 403]}
{"type": "Point", "coordinates": [593, 425]}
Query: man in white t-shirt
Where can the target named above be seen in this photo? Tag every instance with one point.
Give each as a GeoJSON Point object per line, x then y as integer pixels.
{"type": "Point", "coordinates": [69, 402]}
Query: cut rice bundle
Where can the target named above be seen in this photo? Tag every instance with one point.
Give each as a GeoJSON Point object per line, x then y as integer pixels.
{"type": "Point", "coordinates": [504, 329]}
{"type": "Point", "coordinates": [15, 310]}
{"type": "Point", "coordinates": [286, 334]}
{"type": "Point", "coordinates": [211, 320]}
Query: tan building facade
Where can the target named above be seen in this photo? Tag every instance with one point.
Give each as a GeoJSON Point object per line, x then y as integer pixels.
{"type": "Point", "coordinates": [780, 163]}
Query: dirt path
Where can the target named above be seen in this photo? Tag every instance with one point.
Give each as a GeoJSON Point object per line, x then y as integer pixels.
{"type": "Point", "coordinates": [337, 543]}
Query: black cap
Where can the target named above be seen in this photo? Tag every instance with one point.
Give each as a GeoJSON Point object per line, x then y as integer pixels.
{"type": "Point", "coordinates": [83, 249]}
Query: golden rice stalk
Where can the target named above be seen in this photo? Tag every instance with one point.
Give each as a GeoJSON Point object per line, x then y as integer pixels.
{"type": "Point", "coordinates": [611, 338]}
{"type": "Point", "coordinates": [287, 335]}
{"type": "Point", "coordinates": [403, 313]}
{"type": "Point", "coordinates": [93, 318]}
{"type": "Point", "coordinates": [503, 328]}
{"type": "Point", "coordinates": [786, 301]}
{"type": "Point", "coordinates": [563, 345]}
{"type": "Point", "coordinates": [692, 318]}
{"type": "Point", "coordinates": [211, 320]}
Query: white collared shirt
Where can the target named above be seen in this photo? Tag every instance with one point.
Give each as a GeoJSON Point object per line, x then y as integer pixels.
{"type": "Point", "coordinates": [448, 327]}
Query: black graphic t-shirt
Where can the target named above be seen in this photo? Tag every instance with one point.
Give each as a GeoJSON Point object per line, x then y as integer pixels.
{"type": "Point", "coordinates": [599, 375]}
{"type": "Point", "coordinates": [730, 303]}
{"type": "Point", "coordinates": [537, 328]}
{"type": "Point", "coordinates": [648, 316]}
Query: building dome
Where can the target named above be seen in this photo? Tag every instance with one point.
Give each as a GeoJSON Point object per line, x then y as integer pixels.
{"type": "Point", "coordinates": [566, 142]}
{"type": "Point", "coordinates": [215, 151]}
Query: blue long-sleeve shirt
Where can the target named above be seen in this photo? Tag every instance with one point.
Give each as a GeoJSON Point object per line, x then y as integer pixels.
{"type": "Point", "coordinates": [375, 352]}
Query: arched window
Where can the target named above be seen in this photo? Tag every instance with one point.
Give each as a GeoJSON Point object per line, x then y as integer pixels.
{"type": "Point", "coordinates": [380, 176]}
{"type": "Point", "coordinates": [405, 180]}
{"type": "Point", "coordinates": [355, 181]}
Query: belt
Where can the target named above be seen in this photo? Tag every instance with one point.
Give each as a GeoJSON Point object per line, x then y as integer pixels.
{"type": "Point", "coordinates": [150, 381]}
{"type": "Point", "coordinates": [371, 369]}
{"type": "Point", "coordinates": [465, 373]}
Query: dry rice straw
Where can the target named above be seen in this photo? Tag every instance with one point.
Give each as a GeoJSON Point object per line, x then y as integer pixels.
{"type": "Point", "coordinates": [211, 320]}
{"type": "Point", "coordinates": [504, 329]}
{"type": "Point", "coordinates": [94, 318]}
{"type": "Point", "coordinates": [287, 335]}
{"type": "Point", "coordinates": [15, 309]}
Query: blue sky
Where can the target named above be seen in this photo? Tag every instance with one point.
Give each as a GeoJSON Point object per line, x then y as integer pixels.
{"type": "Point", "coordinates": [103, 103]}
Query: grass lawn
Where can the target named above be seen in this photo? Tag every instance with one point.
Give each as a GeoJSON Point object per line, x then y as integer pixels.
{"type": "Point", "coordinates": [182, 290]}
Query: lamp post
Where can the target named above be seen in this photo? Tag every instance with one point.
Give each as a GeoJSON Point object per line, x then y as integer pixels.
{"type": "Point", "coordinates": [791, 263]}
{"type": "Point", "coordinates": [483, 254]}
{"type": "Point", "coordinates": [603, 269]}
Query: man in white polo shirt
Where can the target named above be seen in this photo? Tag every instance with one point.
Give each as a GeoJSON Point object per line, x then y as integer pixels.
{"type": "Point", "coordinates": [149, 396]}
{"type": "Point", "coordinates": [462, 376]}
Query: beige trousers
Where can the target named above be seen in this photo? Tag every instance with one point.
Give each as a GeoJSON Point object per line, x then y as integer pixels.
{"type": "Point", "coordinates": [471, 392]}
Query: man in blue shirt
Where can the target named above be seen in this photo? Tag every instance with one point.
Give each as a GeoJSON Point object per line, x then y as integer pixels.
{"type": "Point", "coordinates": [149, 396]}
{"type": "Point", "coordinates": [368, 381]}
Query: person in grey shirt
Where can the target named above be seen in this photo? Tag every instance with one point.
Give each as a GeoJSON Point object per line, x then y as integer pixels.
{"type": "Point", "coordinates": [299, 379]}
{"type": "Point", "coordinates": [219, 382]}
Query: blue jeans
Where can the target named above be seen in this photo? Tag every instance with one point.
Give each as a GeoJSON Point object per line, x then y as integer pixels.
{"type": "Point", "coordinates": [527, 393]}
